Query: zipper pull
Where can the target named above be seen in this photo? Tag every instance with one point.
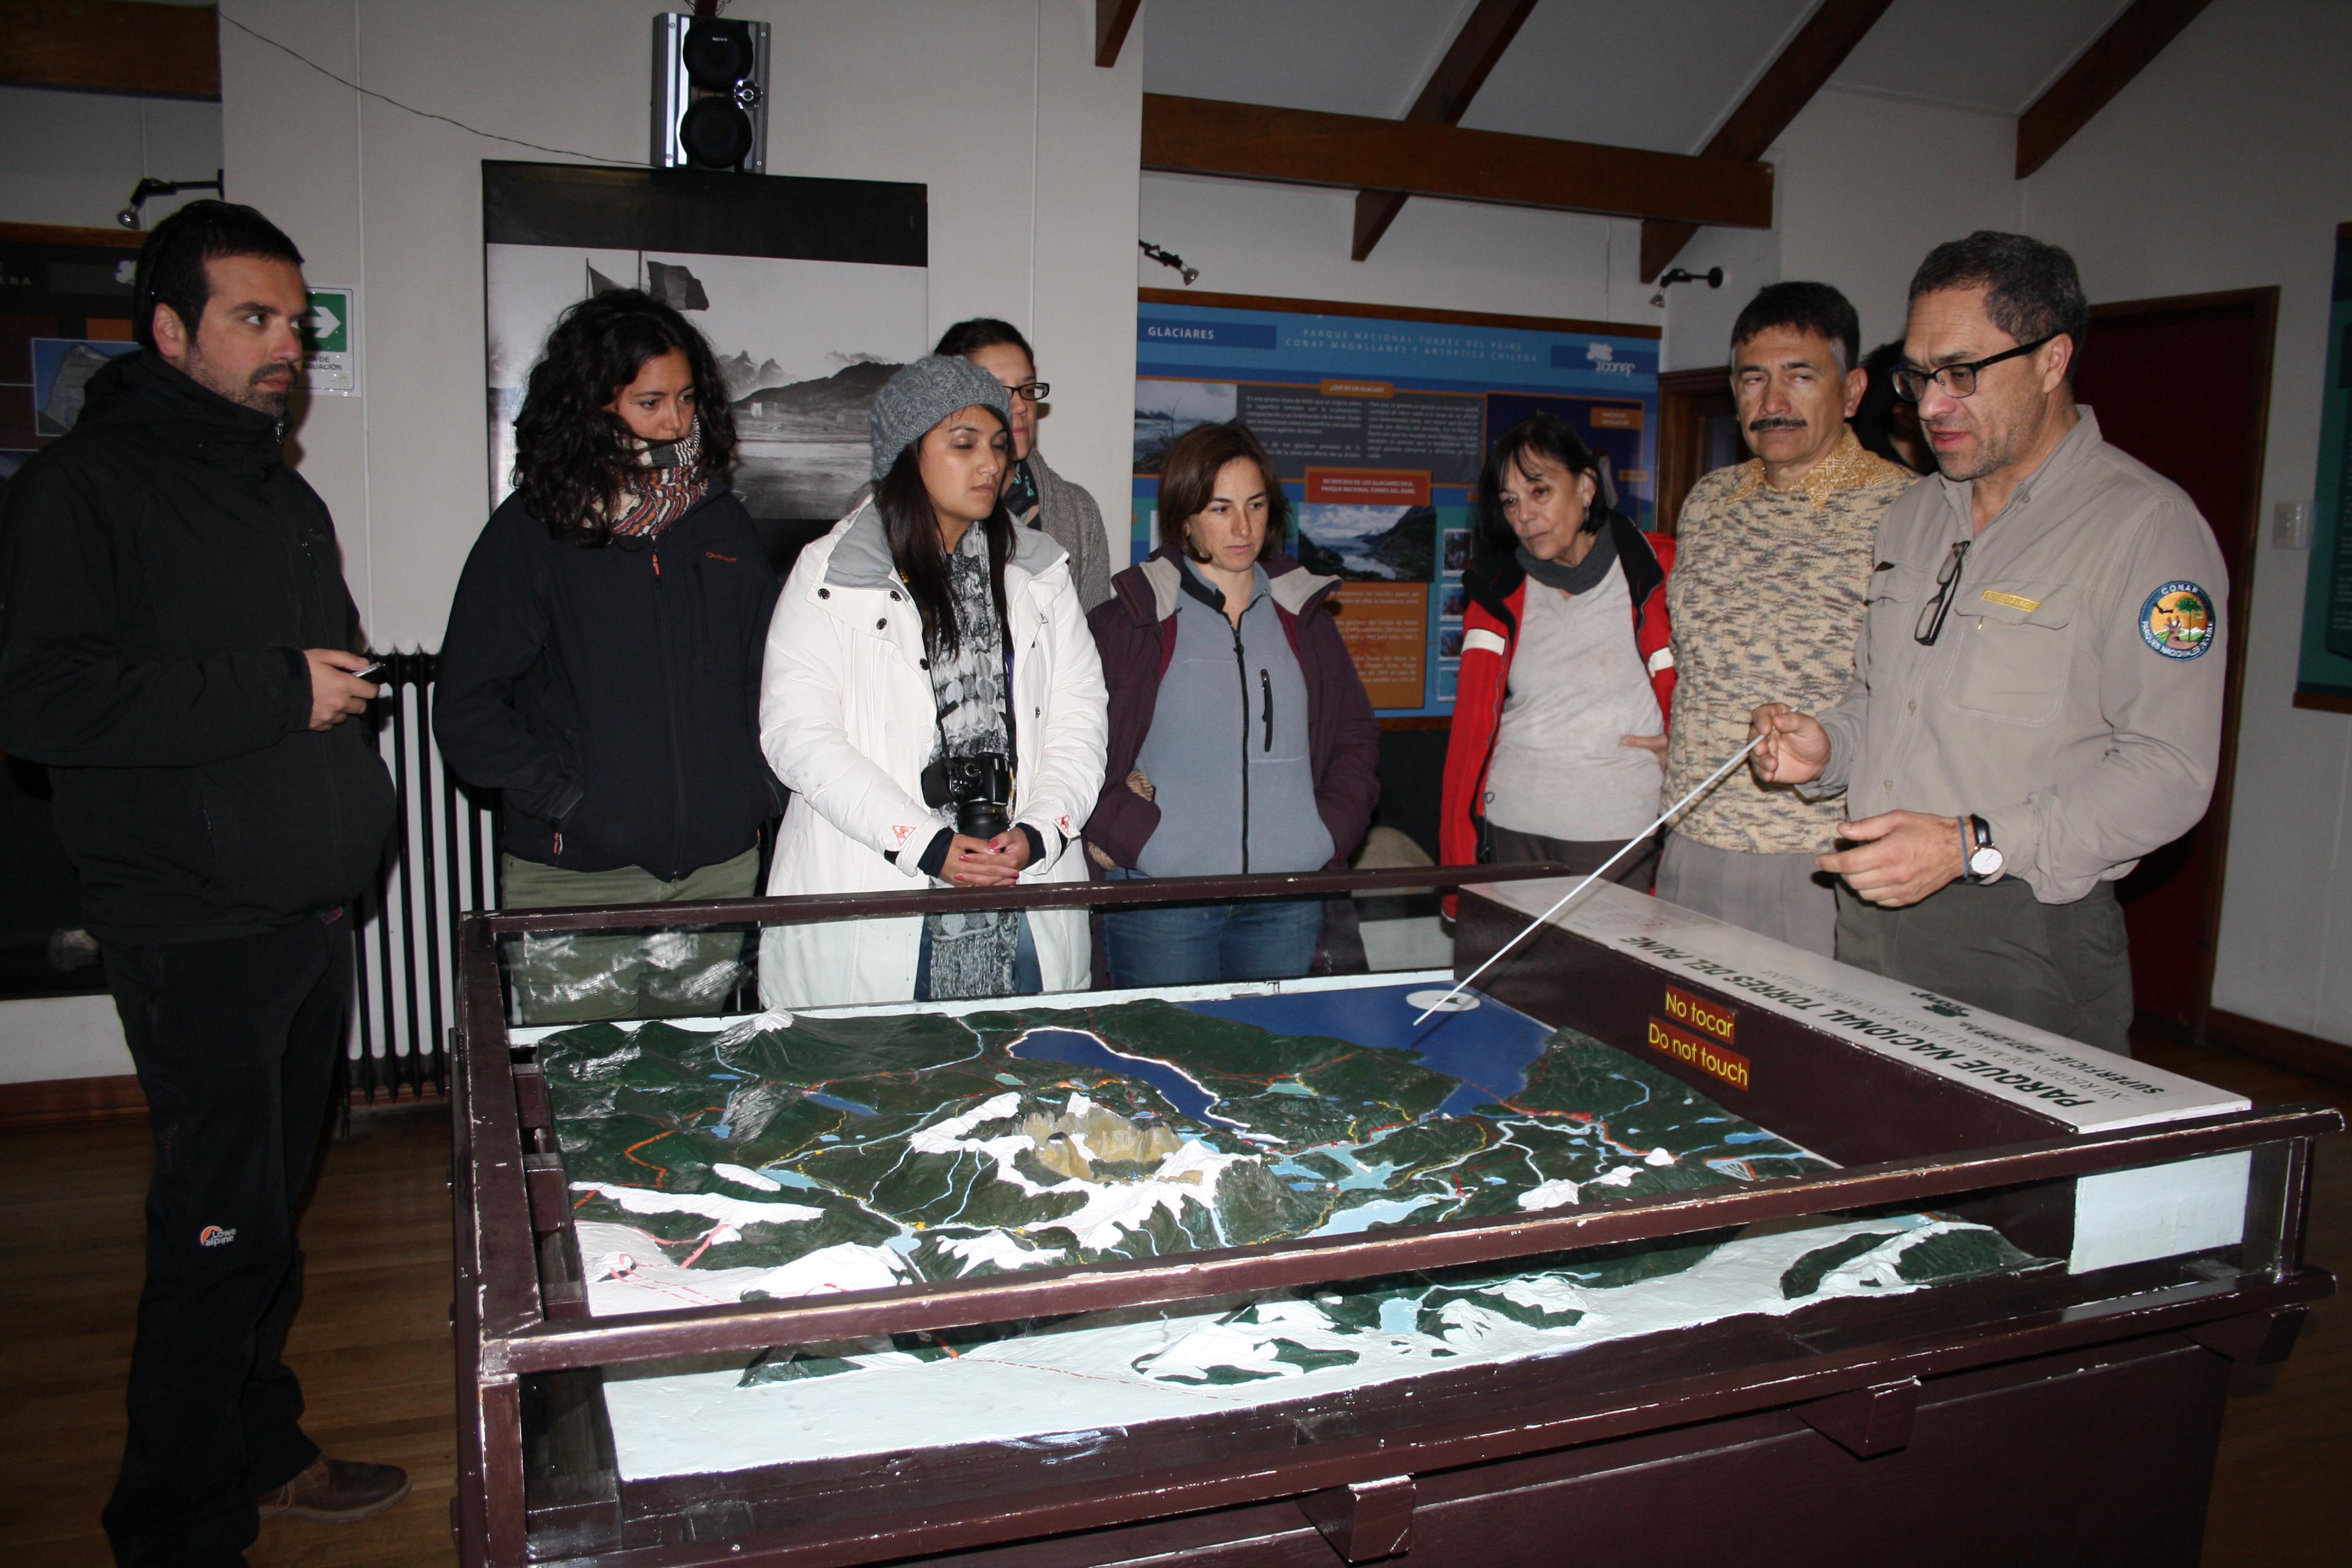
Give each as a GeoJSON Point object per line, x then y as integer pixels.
{"type": "Point", "coordinates": [656, 562]}
{"type": "Point", "coordinates": [1265, 689]}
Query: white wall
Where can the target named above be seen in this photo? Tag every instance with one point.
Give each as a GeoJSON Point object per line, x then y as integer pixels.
{"type": "Point", "coordinates": [72, 157]}
{"type": "Point", "coordinates": [1870, 185]}
{"type": "Point", "coordinates": [2228, 165]}
{"type": "Point", "coordinates": [1851, 209]}
{"type": "Point", "coordinates": [44, 1037]}
{"type": "Point", "coordinates": [1029, 151]}
{"type": "Point", "coordinates": [1292, 243]}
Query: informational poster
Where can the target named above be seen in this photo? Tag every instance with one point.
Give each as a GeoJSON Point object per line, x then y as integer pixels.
{"type": "Point", "coordinates": [2324, 673]}
{"type": "Point", "coordinates": [61, 370]}
{"type": "Point", "coordinates": [810, 293]}
{"type": "Point", "coordinates": [1379, 420]}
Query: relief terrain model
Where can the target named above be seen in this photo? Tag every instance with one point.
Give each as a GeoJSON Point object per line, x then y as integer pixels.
{"type": "Point", "coordinates": [783, 1157]}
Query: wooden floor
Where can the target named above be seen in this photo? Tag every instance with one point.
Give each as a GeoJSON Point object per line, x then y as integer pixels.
{"type": "Point", "coordinates": [372, 1344]}
{"type": "Point", "coordinates": [372, 1347]}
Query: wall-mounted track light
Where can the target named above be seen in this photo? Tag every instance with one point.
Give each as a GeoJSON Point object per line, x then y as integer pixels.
{"type": "Point", "coordinates": [129, 216]}
{"type": "Point", "coordinates": [1168, 258]}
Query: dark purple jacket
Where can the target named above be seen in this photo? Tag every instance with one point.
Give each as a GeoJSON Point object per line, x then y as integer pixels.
{"type": "Point", "coordinates": [1135, 630]}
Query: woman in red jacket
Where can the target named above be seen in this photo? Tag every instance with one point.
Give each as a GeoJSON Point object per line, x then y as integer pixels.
{"type": "Point", "coordinates": [1558, 733]}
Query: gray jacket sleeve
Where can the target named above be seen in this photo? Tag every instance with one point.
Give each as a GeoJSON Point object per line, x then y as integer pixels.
{"type": "Point", "coordinates": [2149, 778]}
{"type": "Point", "coordinates": [1070, 515]}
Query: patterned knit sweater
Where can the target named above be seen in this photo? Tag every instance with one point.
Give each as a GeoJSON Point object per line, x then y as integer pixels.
{"type": "Point", "coordinates": [1767, 600]}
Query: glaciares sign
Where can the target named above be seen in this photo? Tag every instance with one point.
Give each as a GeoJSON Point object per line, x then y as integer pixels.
{"type": "Point", "coordinates": [1205, 333]}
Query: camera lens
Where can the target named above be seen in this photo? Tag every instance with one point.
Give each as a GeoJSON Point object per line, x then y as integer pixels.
{"type": "Point", "coordinates": [981, 819]}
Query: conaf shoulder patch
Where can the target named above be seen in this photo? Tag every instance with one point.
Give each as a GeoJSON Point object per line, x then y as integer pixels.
{"type": "Point", "coordinates": [2176, 620]}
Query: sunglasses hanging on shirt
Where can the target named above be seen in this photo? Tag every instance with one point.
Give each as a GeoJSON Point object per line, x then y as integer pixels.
{"type": "Point", "coordinates": [1930, 625]}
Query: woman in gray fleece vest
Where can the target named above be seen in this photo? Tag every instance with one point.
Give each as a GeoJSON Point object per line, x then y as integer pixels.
{"type": "Point", "coordinates": [1034, 495]}
{"type": "Point", "coordinates": [1241, 737]}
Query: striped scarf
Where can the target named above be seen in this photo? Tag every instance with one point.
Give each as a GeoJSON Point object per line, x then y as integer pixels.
{"type": "Point", "coordinates": [672, 483]}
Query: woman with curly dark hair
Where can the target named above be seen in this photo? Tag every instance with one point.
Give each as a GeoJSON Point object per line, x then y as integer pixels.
{"type": "Point", "coordinates": [602, 666]}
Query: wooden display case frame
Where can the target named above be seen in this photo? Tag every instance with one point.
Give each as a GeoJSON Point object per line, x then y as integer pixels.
{"type": "Point", "coordinates": [1345, 1472]}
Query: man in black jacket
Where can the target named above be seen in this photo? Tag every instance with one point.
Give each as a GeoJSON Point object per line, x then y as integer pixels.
{"type": "Point", "coordinates": [176, 644]}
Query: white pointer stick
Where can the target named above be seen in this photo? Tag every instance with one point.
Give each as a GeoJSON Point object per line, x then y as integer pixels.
{"type": "Point", "coordinates": [1663, 817]}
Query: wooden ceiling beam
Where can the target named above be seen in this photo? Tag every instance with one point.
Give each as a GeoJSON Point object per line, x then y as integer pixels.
{"type": "Point", "coordinates": [1779, 96]}
{"type": "Point", "coordinates": [1112, 20]}
{"type": "Point", "coordinates": [1485, 35]}
{"type": "Point", "coordinates": [111, 46]}
{"type": "Point", "coordinates": [2099, 73]}
{"type": "Point", "coordinates": [1350, 152]}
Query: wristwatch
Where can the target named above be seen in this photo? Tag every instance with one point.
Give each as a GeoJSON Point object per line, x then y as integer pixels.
{"type": "Point", "coordinates": [1984, 861]}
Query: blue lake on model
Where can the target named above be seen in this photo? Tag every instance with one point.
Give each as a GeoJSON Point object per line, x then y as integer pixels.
{"type": "Point", "coordinates": [1489, 1047]}
{"type": "Point", "coordinates": [1085, 1050]}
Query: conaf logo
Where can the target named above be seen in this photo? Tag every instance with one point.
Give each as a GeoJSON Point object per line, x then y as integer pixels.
{"type": "Point", "coordinates": [216, 1236]}
{"type": "Point", "coordinates": [1605, 361]}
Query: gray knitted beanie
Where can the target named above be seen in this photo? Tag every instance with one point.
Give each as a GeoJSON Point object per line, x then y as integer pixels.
{"type": "Point", "coordinates": [923, 393]}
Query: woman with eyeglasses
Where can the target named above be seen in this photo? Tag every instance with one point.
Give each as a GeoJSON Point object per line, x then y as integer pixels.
{"type": "Point", "coordinates": [1559, 716]}
{"type": "Point", "coordinates": [601, 669]}
{"type": "Point", "coordinates": [1241, 737]}
{"type": "Point", "coordinates": [932, 699]}
{"type": "Point", "coordinates": [1034, 495]}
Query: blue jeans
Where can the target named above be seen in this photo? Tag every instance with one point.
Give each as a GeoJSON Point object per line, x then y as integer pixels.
{"type": "Point", "coordinates": [1264, 939]}
{"type": "Point", "coordinates": [1028, 980]}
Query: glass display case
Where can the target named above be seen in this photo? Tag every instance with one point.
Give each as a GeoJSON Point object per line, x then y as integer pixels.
{"type": "Point", "coordinates": [1658, 1225]}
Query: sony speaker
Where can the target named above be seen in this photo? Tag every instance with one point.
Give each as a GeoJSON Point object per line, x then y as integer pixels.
{"type": "Point", "coordinates": [711, 93]}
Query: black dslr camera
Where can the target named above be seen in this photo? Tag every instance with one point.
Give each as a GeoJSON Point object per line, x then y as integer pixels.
{"type": "Point", "coordinates": [979, 786]}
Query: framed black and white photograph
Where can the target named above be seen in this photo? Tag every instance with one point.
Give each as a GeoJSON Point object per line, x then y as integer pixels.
{"type": "Point", "coordinates": [811, 292]}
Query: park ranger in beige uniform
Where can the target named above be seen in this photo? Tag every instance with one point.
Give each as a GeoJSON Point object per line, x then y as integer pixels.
{"type": "Point", "coordinates": [2037, 695]}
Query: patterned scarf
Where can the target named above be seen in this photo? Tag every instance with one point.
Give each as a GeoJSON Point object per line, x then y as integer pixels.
{"type": "Point", "coordinates": [672, 482]}
{"type": "Point", "coordinates": [972, 955]}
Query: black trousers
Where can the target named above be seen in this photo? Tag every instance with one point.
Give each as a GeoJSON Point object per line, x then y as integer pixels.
{"type": "Point", "coordinates": [2066, 968]}
{"type": "Point", "coordinates": [1580, 857]}
{"type": "Point", "coordinates": [236, 1044]}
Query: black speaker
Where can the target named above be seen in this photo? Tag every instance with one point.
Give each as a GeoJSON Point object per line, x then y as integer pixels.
{"type": "Point", "coordinates": [711, 93]}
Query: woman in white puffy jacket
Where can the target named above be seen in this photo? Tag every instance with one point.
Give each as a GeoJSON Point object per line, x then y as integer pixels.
{"type": "Point", "coordinates": [924, 628]}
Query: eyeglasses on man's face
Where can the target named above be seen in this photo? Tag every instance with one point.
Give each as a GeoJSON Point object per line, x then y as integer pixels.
{"type": "Point", "coordinates": [1032, 391]}
{"type": "Point", "coordinates": [1957, 380]}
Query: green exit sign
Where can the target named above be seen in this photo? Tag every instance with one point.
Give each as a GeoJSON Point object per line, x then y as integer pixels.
{"type": "Point", "coordinates": [326, 329]}
{"type": "Point", "coordinates": [330, 341]}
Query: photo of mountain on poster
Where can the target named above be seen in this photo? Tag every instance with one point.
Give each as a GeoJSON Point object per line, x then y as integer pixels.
{"type": "Point", "coordinates": [1166, 409]}
{"type": "Point", "coordinates": [1369, 544]}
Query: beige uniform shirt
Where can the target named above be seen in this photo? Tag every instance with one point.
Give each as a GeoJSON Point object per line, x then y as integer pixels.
{"type": "Point", "coordinates": [1766, 600]}
{"type": "Point", "coordinates": [2073, 699]}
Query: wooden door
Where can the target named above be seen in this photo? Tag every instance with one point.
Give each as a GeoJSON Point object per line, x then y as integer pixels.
{"type": "Point", "coordinates": [1698, 432]}
{"type": "Point", "coordinates": [2183, 385]}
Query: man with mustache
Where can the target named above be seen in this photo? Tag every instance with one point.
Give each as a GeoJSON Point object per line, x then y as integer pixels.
{"type": "Point", "coordinates": [2023, 725]}
{"type": "Point", "coordinates": [177, 645]}
{"type": "Point", "coordinates": [1766, 598]}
